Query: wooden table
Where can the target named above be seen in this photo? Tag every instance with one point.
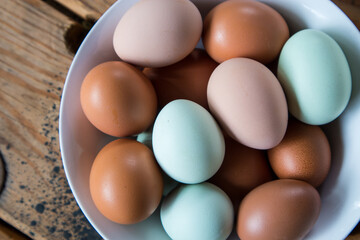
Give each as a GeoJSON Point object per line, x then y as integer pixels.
{"type": "Point", "coordinates": [36, 201]}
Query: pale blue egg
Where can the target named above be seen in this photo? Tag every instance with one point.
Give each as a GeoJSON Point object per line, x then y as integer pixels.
{"type": "Point", "coordinates": [315, 76]}
{"type": "Point", "coordinates": [187, 142]}
{"type": "Point", "coordinates": [197, 212]}
{"type": "Point", "coordinates": [145, 138]}
{"type": "Point", "coordinates": [169, 183]}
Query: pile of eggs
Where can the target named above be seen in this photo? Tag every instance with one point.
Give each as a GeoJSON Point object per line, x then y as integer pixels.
{"type": "Point", "coordinates": [206, 135]}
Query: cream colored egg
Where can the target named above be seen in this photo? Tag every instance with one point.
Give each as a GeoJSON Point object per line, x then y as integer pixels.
{"type": "Point", "coordinates": [157, 33]}
{"type": "Point", "coordinates": [248, 102]}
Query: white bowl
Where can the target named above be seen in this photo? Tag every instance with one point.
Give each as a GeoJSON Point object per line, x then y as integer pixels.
{"type": "Point", "coordinates": [80, 141]}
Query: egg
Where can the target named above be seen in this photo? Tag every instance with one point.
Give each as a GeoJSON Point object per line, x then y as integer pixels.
{"type": "Point", "coordinates": [280, 209]}
{"type": "Point", "coordinates": [303, 154]}
{"type": "Point", "coordinates": [146, 139]}
{"type": "Point", "coordinates": [186, 79]}
{"type": "Point", "coordinates": [244, 28]}
{"type": "Point", "coordinates": [242, 170]}
{"type": "Point", "coordinates": [188, 144]}
{"type": "Point", "coordinates": [315, 75]}
{"type": "Point", "coordinates": [125, 181]}
{"type": "Point", "coordinates": [118, 99]}
{"type": "Point", "coordinates": [249, 103]}
{"type": "Point", "coordinates": [197, 212]}
{"type": "Point", "coordinates": [157, 33]}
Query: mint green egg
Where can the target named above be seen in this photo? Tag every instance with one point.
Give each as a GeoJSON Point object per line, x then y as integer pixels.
{"type": "Point", "coordinates": [197, 212]}
{"type": "Point", "coordinates": [187, 141]}
{"type": "Point", "coordinates": [169, 183]}
{"type": "Point", "coordinates": [315, 76]}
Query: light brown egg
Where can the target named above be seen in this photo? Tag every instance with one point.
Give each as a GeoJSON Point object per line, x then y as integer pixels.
{"type": "Point", "coordinates": [242, 170]}
{"type": "Point", "coordinates": [304, 154]}
{"type": "Point", "coordinates": [244, 28]}
{"type": "Point", "coordinates": [247, 100]}
{"type": "Point", "coordinates": [125, 181]}
{"type": "Point", "coordinates": [186, 79]}
{"type": "Point", "coordinates": [118, 99]}
{"type": "Point", "coordinates": [157, 33]}
{"type": "Point", "coordinates": [280, 209]}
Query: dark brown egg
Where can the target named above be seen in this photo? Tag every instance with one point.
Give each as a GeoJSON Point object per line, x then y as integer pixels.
{"type": "Point", "coordinates": [125, 181]}
{"type": "Point", "coordinates": [280, 209]}
{"type": "Point", "coordinates": [242, 170]}
{"type": "Point", "coordinates": [303, 154]}
{"type": "Point", "coordinates": [118, 99]}
{"type": "Point", "coordinates": [186, 79]}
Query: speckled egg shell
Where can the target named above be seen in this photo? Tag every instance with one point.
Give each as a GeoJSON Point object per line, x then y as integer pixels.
{"type": "Point", "coordinates": [303, 154]}
{"type": "Point", "coordinates": [280, 209]}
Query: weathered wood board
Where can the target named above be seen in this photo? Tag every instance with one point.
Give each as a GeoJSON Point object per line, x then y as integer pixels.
{"type": "Point", "coordinates": [34, 61]}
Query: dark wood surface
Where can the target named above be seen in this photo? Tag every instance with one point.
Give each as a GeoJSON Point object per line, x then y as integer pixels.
{"type": "Point", "coordinates": [36, 201]}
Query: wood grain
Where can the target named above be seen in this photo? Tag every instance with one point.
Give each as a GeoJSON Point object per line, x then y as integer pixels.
{"type": "Point", "coordinates": [34, 61]}
{"type": "Point", "coordinates": [7, 232]}
{"type": "Point", "coordinates": [87, 9]}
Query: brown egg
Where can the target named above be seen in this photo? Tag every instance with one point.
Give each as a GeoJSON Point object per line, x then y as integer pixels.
{"type": "Point", "coordinates": [118, 99]}
{"type": "Point", "coordinates": [244, 28]}
{"type": "Point", "coordinates": [186, 79]}
{"type": "Point", "coordinates": [242, 170]}
{"type": "Point", "coordinates": [303, 154]}
{"type": "Point", "coordinates": [280, 209]}
{"type": "Point", "coordinates": [125, 181]}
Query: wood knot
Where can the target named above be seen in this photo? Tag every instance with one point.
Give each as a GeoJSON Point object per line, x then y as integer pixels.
{"type": "Point", "coordinates": [76, 33]}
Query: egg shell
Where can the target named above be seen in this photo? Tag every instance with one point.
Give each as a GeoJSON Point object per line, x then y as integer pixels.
{"type": "Point", "coordinates": [244, 28]}
{"type": "Point", "coordinates": [118, 99]}
{"type": "Point", "coordinates": [188, 144]}
{"type": "Point", "coordinates": [186, 79]}
{"type": "Point", "coordinates": [248, 102]}
{"type": "Point", "coordinates": [146, 139]}
{"type": "Point", "coordinates": [316, 77]}
{"type": "Point", "coordinates": [242, 170]}
{"type": "Point", "coordinates": [197, 212]}
{"type": "Point", "coordinates": [125, 181]}
{"type": "Point", "coordinates": [157, 33]}
{"type": "Point", "coordinates": [280, 209]}
{"type": "Point", "coordinates": [303, 154]}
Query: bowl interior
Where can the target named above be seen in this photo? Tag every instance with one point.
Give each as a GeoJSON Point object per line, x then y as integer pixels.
{"type": "Point", "coordinates": [80, 141]}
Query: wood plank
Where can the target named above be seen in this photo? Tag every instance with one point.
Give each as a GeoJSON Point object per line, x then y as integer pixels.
{"type": "Point", "coordinates": [7, 232]}
{"type": "Point", "coordinates": [87, 8]}
{"type": "Point", "coordinates": [34, 62]}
